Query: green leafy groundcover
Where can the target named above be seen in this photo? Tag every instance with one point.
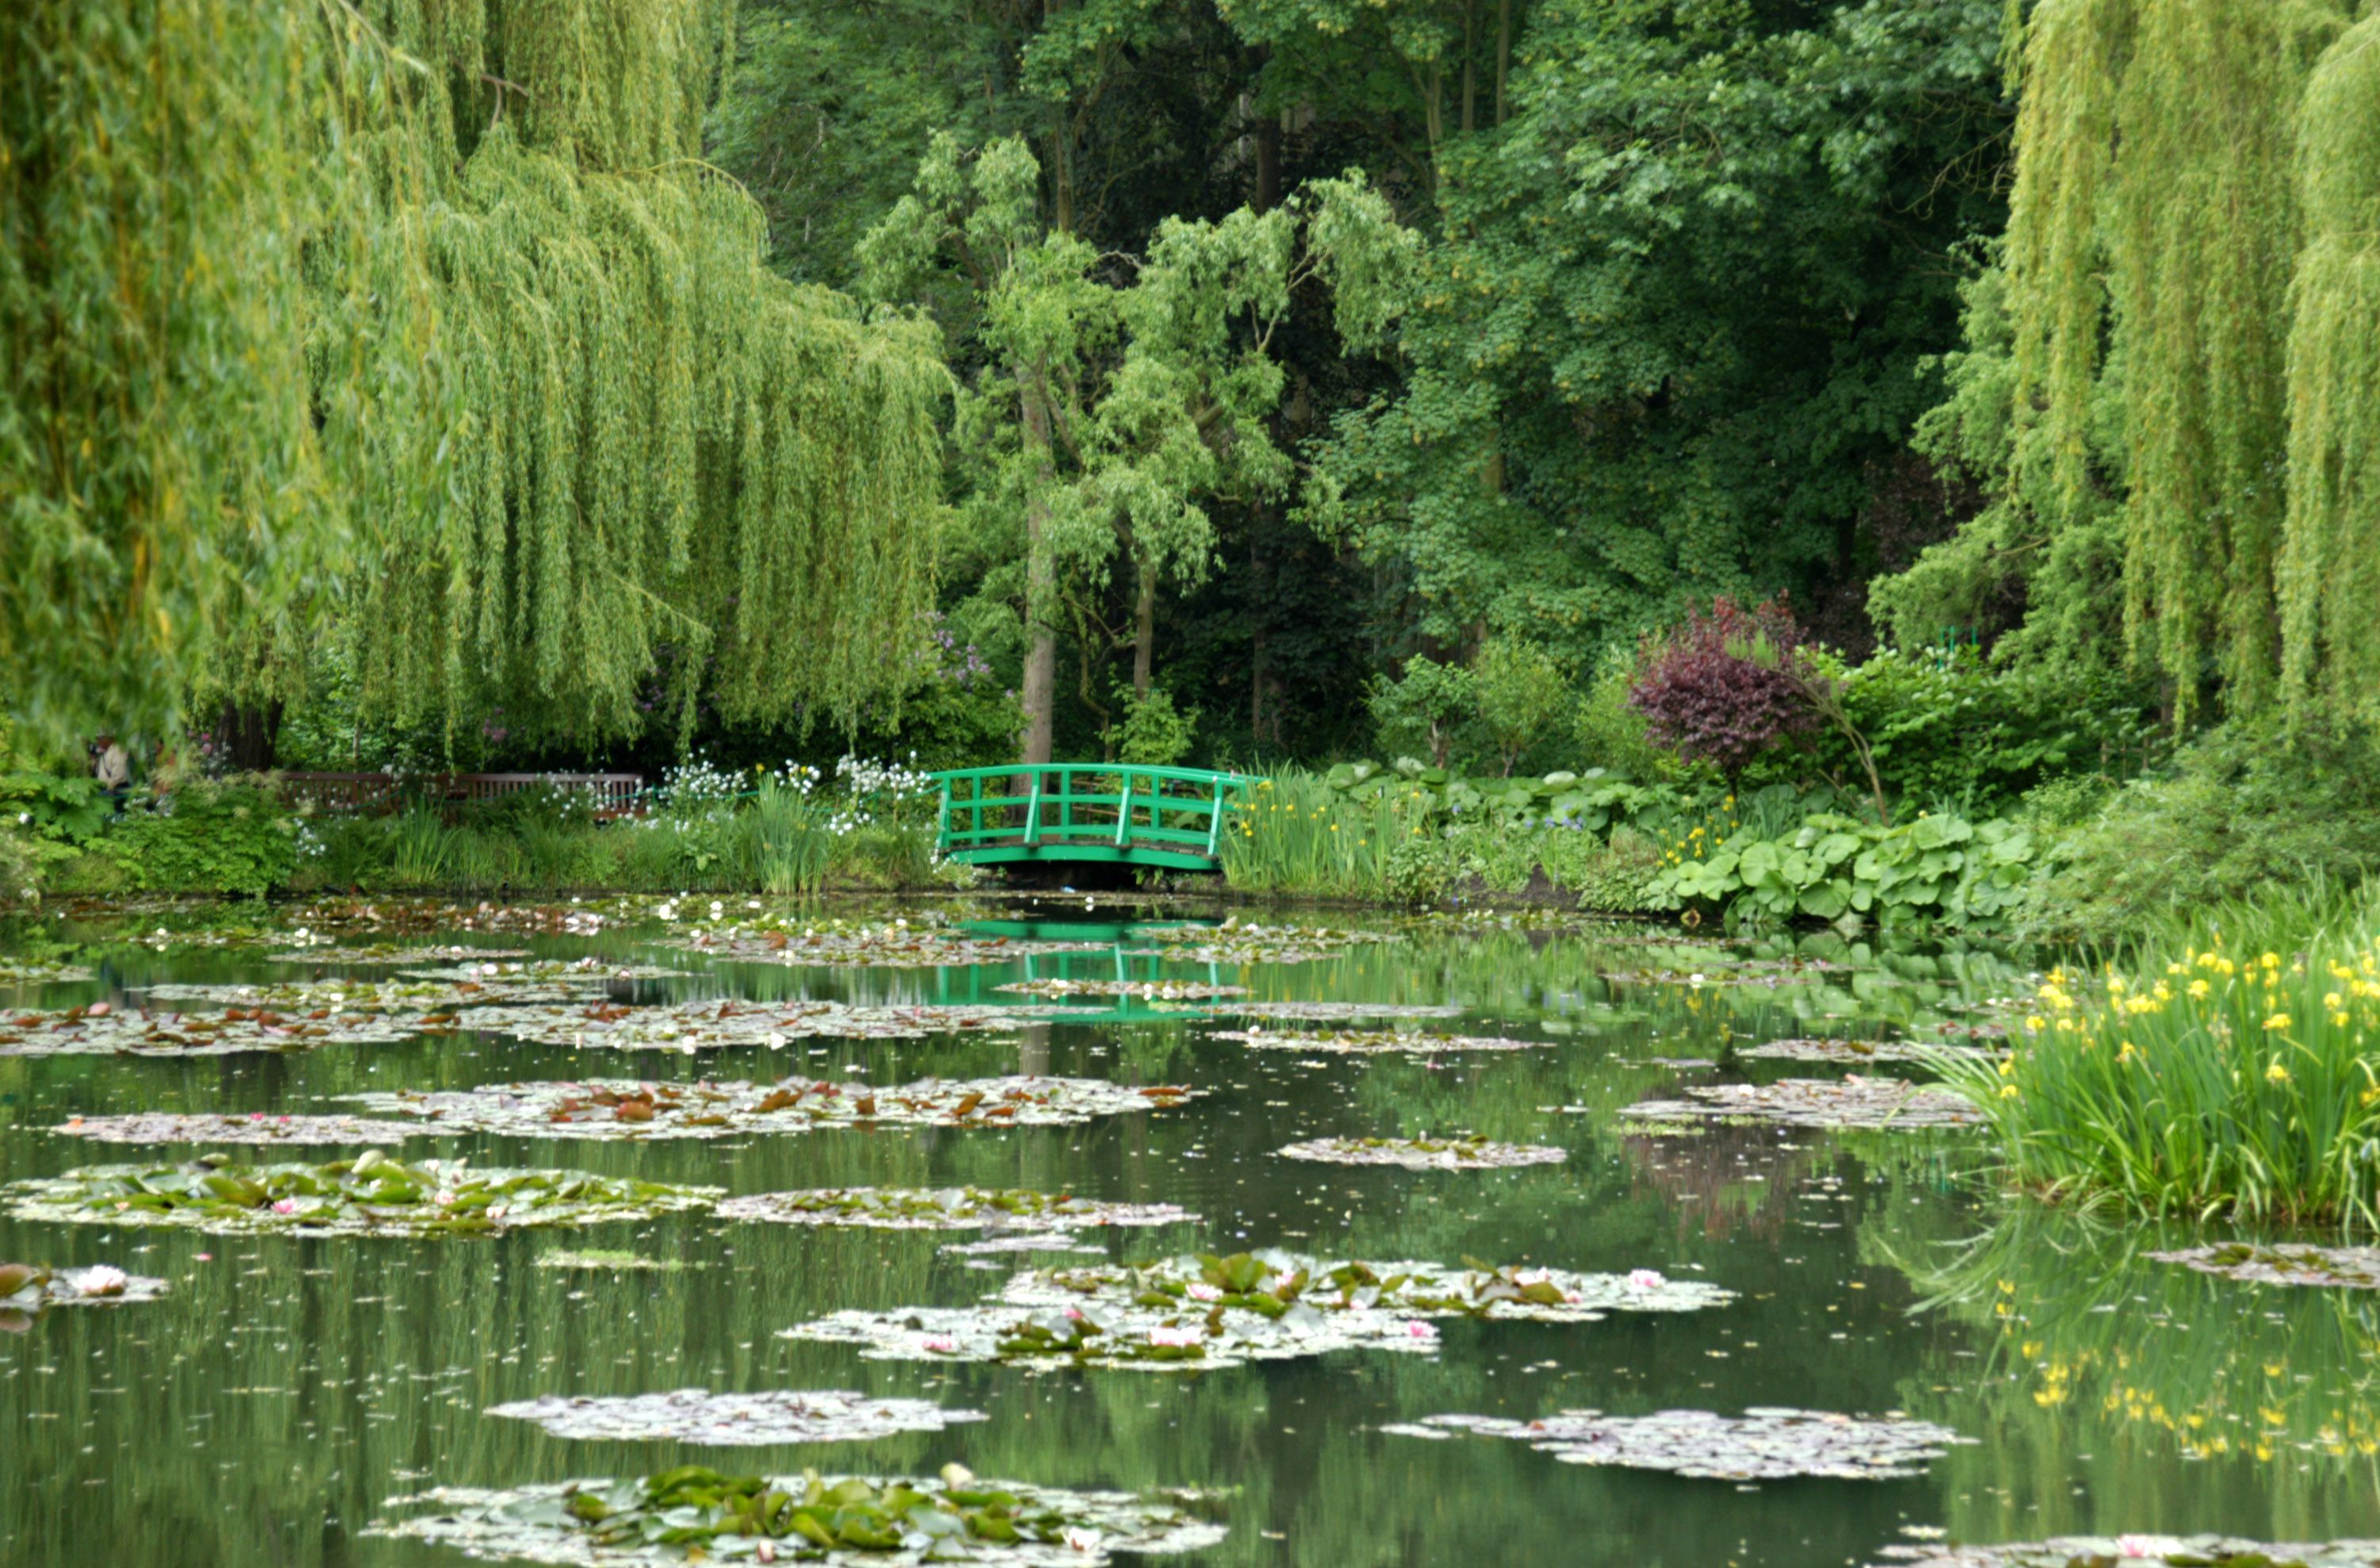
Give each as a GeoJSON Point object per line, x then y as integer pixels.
{"type": "Point", "coordinates": [945, 1208]}
{"type": "Point", "coordinates": [1759, 1445]}
{"type": "Point", "coordinates": [370, 1194]}
{"type": "Point", "coordinates": [1368, 1042]}
{"type": "Point", "coordinates": [697, 1513]}
{"type": "Point", "coordinates": [1200, 1310]}
{"type": "Point", "coordinates": [639, 1109]}
{"type": "Point", "coordinates": [2138, 1551]}
{"type": "Point", "coordinates": [1460, 1153]}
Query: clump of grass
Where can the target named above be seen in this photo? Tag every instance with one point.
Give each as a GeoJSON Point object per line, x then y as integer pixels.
{"type": "Point", "coordinates": [2232, 1071]}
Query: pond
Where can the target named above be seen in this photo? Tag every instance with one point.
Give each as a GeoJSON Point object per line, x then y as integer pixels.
{"type": "Point", "coordinates": [1485, 1234]}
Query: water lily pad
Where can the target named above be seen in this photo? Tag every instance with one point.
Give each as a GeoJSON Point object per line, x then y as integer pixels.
{"type": "Point", "coordinates": [30, 1287]}
{"type": "Point", "coordinates": [1465, 1153]}
{"type": "Point", "coordinates": [611, 1261]}
{"type": "Point", "coordinates": [1810, 1101]}
{"type": "Point", "coordinates": [2139, 1552]}
{"type": "Point", "coordinates": [811, 1518]}
{"type": "Point", "coordinates": [1759, 1445]}
{"type": "Point", "coordinates": [689, 1027]}
{"type": "Point", "coordinates": [2352, 1268]}
{"type": "Point", "coordinates": [1369, 1042]}
{"type": "Point", "coordinates": [637, 1108]}
{"type": "Point", "coordinates": [949, 1208]}
{"type": "Point", "coordinates": [1200, 1310]}
{"type": "Point", "coordinates": [166, 1126]}
{"type": "Point", "coordinates": [718, 1420]}
{"type": "Point", "coordinates": [102, 1028]}
{"type": "Point", "coordinates": [1857, 1051]}
{"type": "Point", "coordinates": [26, 972]}
{"type": "Point", "coordinates": [372, 1194]}
{"type": "Point", "coordinates": [1155, 990]}
{"type": "Point", "coordinates": [392, 954]}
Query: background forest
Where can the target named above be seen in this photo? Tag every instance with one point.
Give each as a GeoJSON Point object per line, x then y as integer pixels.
{"type": "Point", "coordinates": [1253, 382]}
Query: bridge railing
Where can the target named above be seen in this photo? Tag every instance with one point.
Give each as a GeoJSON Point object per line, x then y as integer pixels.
{"type": "Point", "coordinates": [1114, 806]}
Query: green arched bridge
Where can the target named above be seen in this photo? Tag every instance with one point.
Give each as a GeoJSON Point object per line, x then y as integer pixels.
{"type": "Point", "coordinates": [1169, 818]}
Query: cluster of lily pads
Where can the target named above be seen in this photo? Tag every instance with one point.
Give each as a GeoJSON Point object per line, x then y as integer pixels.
{"type": "Point", "coordinates": [1857, 1051]}
{"type": "Point", "coordinates": [1759, 1445]}
{"type": "Point", "coordinates": [2139, 1552]}
{"type": "Point", "coordinates": [715, 1025]}
{"type": "Point", "coordinates": [1850, 1102]}
{"type": "Point", "coordinates": [172, 1127]}
{"type": "Point", "coordinates": [1152, 990]}
{"type": "Point", "coordinates": [635, 1108]}
{"type": "Point", "coordinates": [897, 945]}
{"type": "Point", "coordinates": [28, 1287]}
{"type": "Point", "coordinates": [370, 1194]}
{"type": "Point", "coordinates": [698, 1415]}
{"type": "Point", "coordinates": [697, 1512]}
{"type": "Point", "coordinates": [1236, 943]}
{"type": "Point", "coordinates": [2351, 1268]}
{"type": "Point", "coordinates": [29, 972]}
{"type": "Point", "coordinates": [1461, 1154]}
{"type": "Point", "coordinates": [589, 971]}
{"type": "Point", "coordinates": [1368, 1042]}
{"type": "Point", "coordinates": [947, 1208]}
{"type": "Point", "coordinates": [1200, 1310]}
{"type": "Point", "coordinates": [396, 995]}
{"type": "Point", "coordinates": [102, 1028]}
{"type": "Point", "coordinates": [391, 954]}
{"type": "Point", "coordinates": [1337, 1012]}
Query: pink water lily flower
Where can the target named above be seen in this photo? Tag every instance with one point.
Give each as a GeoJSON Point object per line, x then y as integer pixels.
{"type": "Point", "coordinates": [940, 1344]}
{"type": "Point", "coordinates": [1179, 1338]}
{"type": "Point", "coordinates": [1418, 1330]}
{"type": "Point", "coordinates": [1199, 1291]}
{"type": "Point", "coordinates": [285, 1206]}
{"type": "Point", "coordinates": [1645, 1279]}
{"type": "Point", "coordinates": [1278, 1284]}
{"type": "Point", "coordinates": [2142, 1545]}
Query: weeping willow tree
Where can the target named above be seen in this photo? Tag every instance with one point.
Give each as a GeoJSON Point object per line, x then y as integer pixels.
{"type": "Point", "coordinates": [2330, 563]}
{"type": "Point", "coordinates": [2153, 232]}
{"type": "Point", "coordinates": [427, 316]}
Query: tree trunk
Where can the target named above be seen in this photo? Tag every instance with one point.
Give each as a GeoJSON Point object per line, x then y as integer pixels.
{"type": "Point", "coordinates": [1040, 693]}
{"type": "Point", "coordinates": [1144, 629]}
{"type": "Point", "coordinates": [1503, 52]}
{"type": "Point", "coordinates": [249, 736]}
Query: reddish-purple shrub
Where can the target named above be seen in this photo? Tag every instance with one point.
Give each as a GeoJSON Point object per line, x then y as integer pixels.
{"type": "Point", "coordinates": [1705, 697]}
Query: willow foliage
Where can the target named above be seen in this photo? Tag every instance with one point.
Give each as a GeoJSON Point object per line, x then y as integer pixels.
{"type": "Point", "coordinates": [2330, 565]}
{"type": "Point", "coordinates": [2154, 213]}
{"type": "Point", "coordinates": [432, 308]}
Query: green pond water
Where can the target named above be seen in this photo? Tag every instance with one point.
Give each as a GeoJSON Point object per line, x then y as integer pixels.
{"type": "Point", "coordinates": [266, 1409]}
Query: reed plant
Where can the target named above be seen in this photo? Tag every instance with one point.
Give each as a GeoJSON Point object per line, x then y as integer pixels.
{"type": "Point", "coordinates": [1292, 834]}
{"type": "Point", "coordinates": [2231, 1072]}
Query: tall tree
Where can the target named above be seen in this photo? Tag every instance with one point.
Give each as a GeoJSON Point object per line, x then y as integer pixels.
{"type": "Point", "coordinates": [449, 288]}
{"type": "Point", "coordinates": [1119, 395]}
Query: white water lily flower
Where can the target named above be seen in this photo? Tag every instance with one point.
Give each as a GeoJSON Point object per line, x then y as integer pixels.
{"type": "Point", "coordinates": [1201, 1291]}
{"type": "Point", "coordinates": [956, 1475]}
{"type": "Point", "coordinates": [1080, 1539]}
{"type": "Point", "coordinates": [101, 1280]}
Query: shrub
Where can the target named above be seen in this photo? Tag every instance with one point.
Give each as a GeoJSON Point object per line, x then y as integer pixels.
{"type": "Point", "coordinates": [1941, 869]}
{"type": "Point", "coordinates": [2242, 806]}
{"type": "Point", "coordinates": [1424, 709]}
{"type": "Point", "coordinates": [209, 836]}
{"type": "Point", "coordinates": [1523, 695]}
{"type": "Point", "coordinates": [1706, 697]}
{"type": "Point", "coordinates": [1153, 732]}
